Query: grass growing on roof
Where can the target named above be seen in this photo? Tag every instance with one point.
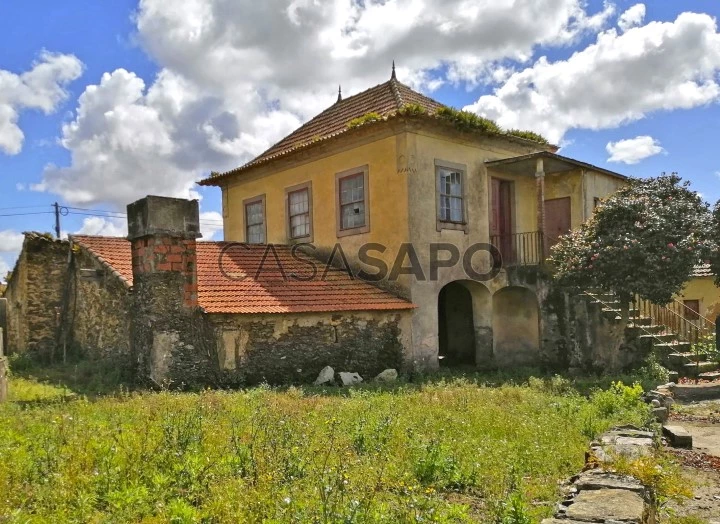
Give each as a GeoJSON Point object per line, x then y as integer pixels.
{"type": "Point", "coordinates": [365, 119]}
{"type": "Point", "coordinates": [451, 451]}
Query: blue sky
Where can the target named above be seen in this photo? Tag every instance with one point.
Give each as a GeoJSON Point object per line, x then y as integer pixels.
{"type": "Point", "coordinates": [190, 86]}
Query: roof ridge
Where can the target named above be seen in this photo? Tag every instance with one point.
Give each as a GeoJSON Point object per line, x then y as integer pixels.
{"type": "Point", "coordinates": [396, 93]}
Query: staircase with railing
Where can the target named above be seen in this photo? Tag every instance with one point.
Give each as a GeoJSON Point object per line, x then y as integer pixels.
{"type": "Point", "coordinates": [674, 330]}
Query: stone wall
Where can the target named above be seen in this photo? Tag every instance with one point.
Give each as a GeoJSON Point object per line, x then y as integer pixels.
{"type": "Point", "coordinates": [293, 348]}
{"type": "Point", "coordinates": [35, 295]}
{"type": "Point", "coordinates": [576, 335]}
{"type": "Point", "coordinates": [97, 319]}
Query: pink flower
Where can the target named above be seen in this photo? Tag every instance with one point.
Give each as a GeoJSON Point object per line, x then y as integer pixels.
{"type": "Point", "coordinates": [671, 245]}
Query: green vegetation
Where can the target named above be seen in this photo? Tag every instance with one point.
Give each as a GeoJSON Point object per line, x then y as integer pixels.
{"type": "Point", "coordinates": [412, 110]}
{"type": "Point", "coordinates": [528, 135]}
{"type": "Point", "coordinates": [452, 450]}
{"type": "Point", "coordinates": [462, 120]}
{"type": "Point", "coordinates": [715, 248]}
{"type": "Point", "coordinates": [365, 119]}
{"type": "Point", "coordinates": [643, 240]}
{"type": "Point", "coordinates": [467, 121]}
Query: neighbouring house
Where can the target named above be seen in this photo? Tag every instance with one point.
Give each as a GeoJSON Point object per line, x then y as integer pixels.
{"type": "Point", "coordinates": [185, 312]}
{"type": "Point", "coordinates": [388, 182]}
{"type": "Point", "coordinates": [701, 296]}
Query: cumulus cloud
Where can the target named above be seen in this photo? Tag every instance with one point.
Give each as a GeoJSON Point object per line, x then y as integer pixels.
{"type": "Point", "coordinates": [109, 227]}
{"type": "Point", "coordinates": [42, 87]}
{"type": "Point", "coordinates": [227, 91]}
{"type": "Point", "coordinates": [633, 150]}
{"type": "Point", "coordinates": [618, 79]}
{"type": "Point", "coordinates": [211, 223]}
{"type": "Point", "coordinates": [10, 241]}
{"type": "Point", "coordinates": [632, 17]}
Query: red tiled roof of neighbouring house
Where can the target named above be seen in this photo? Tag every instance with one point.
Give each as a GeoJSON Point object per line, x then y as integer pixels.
{"type": "Point", "coordinates": [702, 270]}
{"type": "Point", "coordinates": [239, 278]}
{"type": "Point", "coordinates": [384, 99]}
{"type": "Point", "coordinates": [112, 252]}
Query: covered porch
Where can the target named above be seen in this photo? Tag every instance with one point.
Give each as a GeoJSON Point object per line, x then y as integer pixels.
{"type": "Point", "coordinates": [535, 199]}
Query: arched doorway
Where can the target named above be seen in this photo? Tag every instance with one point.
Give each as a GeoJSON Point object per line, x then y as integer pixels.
{"type": "Point", "coordinates": [464, 331]}
{"type": "Point", "coordinates": [516, 327]}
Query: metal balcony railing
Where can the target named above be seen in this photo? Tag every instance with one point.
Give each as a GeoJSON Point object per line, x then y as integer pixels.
{"type": "Point", "coordinates": [521, 249]}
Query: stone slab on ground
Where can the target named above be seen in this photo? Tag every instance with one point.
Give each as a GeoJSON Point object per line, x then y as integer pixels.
{"type": "Point", "coordinates": [350, 379]}
{"type": "Point", "coordinates": [389, 375]}
{"type": "Point", "coordinates": [326, 376]}
{"type": "Point", "coordinates": [607, 505]}
{"type": "Point", "coordinates": [690, 392]}
{"type": "Point", "coordinates": [678, 436]}
{"type": "Point", "coordinates": [598, 479]}
{"type": "Point", "coordinates": [706, 437]}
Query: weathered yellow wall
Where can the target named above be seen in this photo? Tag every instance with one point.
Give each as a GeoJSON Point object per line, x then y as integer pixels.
{"type": "Point", "coordinates": [387, 203]}
{"type": "Point", "coordinates": [704, 290]}
{"type": "Point", "coordinates": [599, 185]}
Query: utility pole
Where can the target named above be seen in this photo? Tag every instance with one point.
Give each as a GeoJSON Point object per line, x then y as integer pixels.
{"type": "Point", "coordinates": [57, 219]}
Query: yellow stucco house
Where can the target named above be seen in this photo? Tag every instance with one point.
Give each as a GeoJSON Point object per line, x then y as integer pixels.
{"type": "Point", "coordinates": [388, 175]}
{"type": "Point", "coordinates": [701, 294]}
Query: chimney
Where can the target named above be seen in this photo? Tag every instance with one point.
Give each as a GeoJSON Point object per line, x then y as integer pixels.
{"type": "Point", "coordinates": [165, 341]}
{"type": "Point", "coordinates": [163, 233]}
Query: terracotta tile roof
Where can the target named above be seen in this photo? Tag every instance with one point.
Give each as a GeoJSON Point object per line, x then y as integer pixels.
{"type": "Point", "coordinates": [112, 252]}
{"type": "Point", "coordinates": [702, 270]}
{"type": "Point", "coordinates": [232, 278]}
{"type": "Point", "coordinates": [384, 99]}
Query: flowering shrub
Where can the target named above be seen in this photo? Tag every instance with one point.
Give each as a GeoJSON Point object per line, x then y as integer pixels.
{"type": "Point", "coordinates": [643, 240]}
{"type": "Point", "coordinates": [715, 254]}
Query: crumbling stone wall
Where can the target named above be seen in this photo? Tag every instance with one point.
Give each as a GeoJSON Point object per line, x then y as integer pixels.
{"type": "Point", "coordinates": [96, 322]}
{"type": "Point", "coordinates": [35, 295]}
{"type": "Point", "coordinates": [293, 348]}
{"type": "Point", "coordinates": [577, 335]}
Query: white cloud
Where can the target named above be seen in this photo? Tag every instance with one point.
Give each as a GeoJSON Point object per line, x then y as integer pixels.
{"type": "Point", "coordinates": [10, 241]}
{"type": "Point", "coordinates": [211, 223]}
{"type": "Point", "coordinates": [43, 88]}
{"type": "Point", "coordinates": [633, 150]}
{"type": "Point", "coordinates": [632, 17]}
{"type": "Point", "coordinates": [618, 79]}
{"type": "Point", "coordinates": [227, 91]}
{"type": "Point", "coordinates": [109, 227]}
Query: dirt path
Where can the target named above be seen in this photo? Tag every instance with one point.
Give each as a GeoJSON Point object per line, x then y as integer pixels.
{"type": "Point", "coordinates": [701, 465]}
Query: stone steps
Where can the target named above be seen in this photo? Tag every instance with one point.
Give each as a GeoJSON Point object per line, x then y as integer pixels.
{"type": "Point", "coordinates": [695, 368]}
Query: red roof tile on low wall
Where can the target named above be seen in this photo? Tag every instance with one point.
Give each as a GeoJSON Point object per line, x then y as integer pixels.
{"type": "Point", "coordinates": [239, 278]}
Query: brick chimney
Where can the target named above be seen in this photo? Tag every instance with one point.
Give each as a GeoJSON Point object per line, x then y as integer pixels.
{"type": "Point", "coordinates": [165, 342]}
{"type": "Point", "coordinates": [163, 232]}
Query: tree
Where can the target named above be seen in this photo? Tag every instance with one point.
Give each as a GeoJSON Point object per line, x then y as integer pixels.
{"type": "Point", "coordinates": [643, 240]}
{"type": "Point", "coordinates": [715, 251]}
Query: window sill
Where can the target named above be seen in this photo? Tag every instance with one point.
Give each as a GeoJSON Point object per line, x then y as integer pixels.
{"type": "Point", "coordinates": [354, 231]}
{"type": "Point", "coordinates": [454, 226]}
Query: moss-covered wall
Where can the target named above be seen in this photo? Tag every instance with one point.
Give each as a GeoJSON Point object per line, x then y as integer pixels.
{"type": "Point", "coordinates": [293, 348]}
{"type": "Point", "coordinates": [35, 295]}
{"type": "Point", "coordinates": [99, 305]}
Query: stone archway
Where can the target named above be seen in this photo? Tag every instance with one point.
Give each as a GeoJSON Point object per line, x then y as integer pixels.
{"type": "Point", "coordinates": [464, 324]}
{"type": "Point", "coordinates": [515, 327]}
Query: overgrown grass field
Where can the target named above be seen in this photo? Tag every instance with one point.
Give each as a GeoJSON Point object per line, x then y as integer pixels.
{"type": "Point", "coordinates": [452, 451]}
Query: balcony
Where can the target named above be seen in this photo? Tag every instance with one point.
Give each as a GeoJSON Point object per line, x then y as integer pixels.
{"type": "Point", "coordinates": [520, 249]}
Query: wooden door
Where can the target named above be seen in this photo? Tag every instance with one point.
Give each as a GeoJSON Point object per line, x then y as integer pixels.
{"type": "Point", "coordinates": [501, 212]}
{"type": "Point", "coordinates": [557, 219]}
